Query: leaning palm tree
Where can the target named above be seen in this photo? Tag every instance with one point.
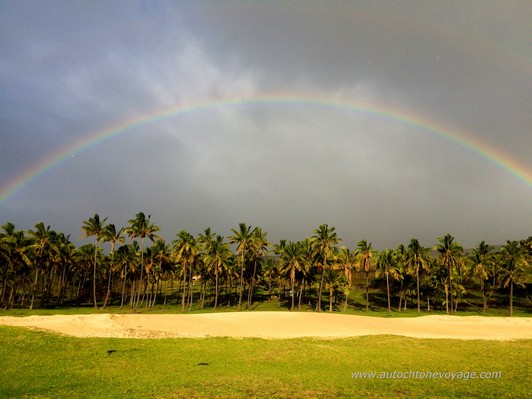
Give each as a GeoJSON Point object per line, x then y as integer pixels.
{"type": "Point", "coordinates": [242, 237]}
{"type": "Point", "coordinates": [451, 257]}
{"type": "Point", "coordinates": [113, 236]}
{"type": "Point", "coordinates": [324, 239]}
{"type": "Point", "coordinates": [416, 259]}
{"type": "Point", "coordinates": [94, 227]}
{"type": "Point", "coordinates": [512, 258]}
{"type": "Point", "coordinates": [364, 252]}
{"type": "Point", "coordinates": [141, 227]}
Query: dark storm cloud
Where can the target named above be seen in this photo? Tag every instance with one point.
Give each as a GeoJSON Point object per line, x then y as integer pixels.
{"type": "Point", "coordinates": [71, 69]}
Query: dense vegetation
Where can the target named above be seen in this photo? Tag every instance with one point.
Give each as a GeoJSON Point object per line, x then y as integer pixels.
{"type": "Point", "coordinates": [43, 268]}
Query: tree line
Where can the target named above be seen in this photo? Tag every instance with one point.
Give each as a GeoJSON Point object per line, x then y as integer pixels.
{"type": "Point", "coordinates": [42, 267]}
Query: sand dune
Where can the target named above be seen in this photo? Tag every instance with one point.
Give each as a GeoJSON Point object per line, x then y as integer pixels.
{"type": "Point", "coordinates": [276, 325]}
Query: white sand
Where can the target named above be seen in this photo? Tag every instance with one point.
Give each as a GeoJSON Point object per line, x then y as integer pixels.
{"type": "Point", "coordinates": [276, 325]}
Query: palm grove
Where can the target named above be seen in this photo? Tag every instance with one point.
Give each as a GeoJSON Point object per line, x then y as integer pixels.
{"type": "Point", "coordinates": [42, 268]}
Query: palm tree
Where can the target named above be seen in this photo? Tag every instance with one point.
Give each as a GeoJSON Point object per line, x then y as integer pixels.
{"type": "Point", "coordinates": [217, 257]}
{"type": "Point", "coordinates": [364, 253]}
{"type": "Point", "coordinates": [185, 251]}
{"type": "Point", "coordinates": [142, 228]}
{"type": "Point", "coordinates": [333, 281]}
{"type": "Point", "coordinates": [386, 264]}
{"type": "Point", "coordinates": [271, 275]}
{"type": "Point", "coordinates": [512, 258]}
{"type": "Point", "coordinates": [259, 246]}
{"type": "Point", "coordinates": [43, 245]}
{"type": "Point", "coordinates": [94, 227]}
{"type": "Point", "coordinates": [451, 257]}
{"type": "Point", "coordinates": [325, 239]}
{"type": "Point", "coordinates": [480, 267]}
{"type": "Point", "coordinates": [127, 256]}
{"type": "Point", "coordinates": [242, 237]}
{"type": "Point", "coordinates": [113, 236]}
{"type": "Point", "coordinates": [15, 249]}
{"type": "Point", "coordinates": [416, 259]}
{"type": "Point", "coordinates": [291, 264]}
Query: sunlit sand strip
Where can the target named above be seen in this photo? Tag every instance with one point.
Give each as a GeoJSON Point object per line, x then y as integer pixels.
{"type": "Point", "coordinates": [276, 325]}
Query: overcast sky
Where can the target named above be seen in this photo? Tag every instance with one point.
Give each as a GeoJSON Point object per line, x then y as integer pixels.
{"type": "Point", "coordinates": [71, 69]}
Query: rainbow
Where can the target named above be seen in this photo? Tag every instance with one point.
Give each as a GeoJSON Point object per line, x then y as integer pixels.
{"type": "Point", "coordinates": [489, 153]}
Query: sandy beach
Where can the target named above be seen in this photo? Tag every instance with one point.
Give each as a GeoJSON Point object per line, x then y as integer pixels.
{"type": "Point", "coordinates": [276, 325]}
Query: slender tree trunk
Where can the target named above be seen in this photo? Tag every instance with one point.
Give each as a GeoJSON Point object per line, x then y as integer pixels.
{"type": "Point", "coordinates": [292, 281]}
{"type": "Point", "coordinates": [418, 296]}
{"type": "Point", "coordinates": [300, 295]}
{"type": "Point", "coordinates": [34, 288]}
{"type": "Point", "coordinates": [388, 291]}
{"type": "Point", "coordinates": [252, 286]}
{"type": "Point", "coordinates": [136, 302]}
{"type": "Point", "coordinates": [318, 307]}
{"type": "Point", "coordinates": [183, 295]}
{"type": "Point", "coordinates": [123, 287]}
{"type": "Point", "coordinates": [446, 298]}
{"type": "Point", "coordinates": [110, 276]}
{"type": "Point", "coordinates": [451, 288]}
{"type": "Point", "coordinates": [367, 291]}
{"type": "Point", "coordinates": [94, 273]}
{"type": "Point", "coordinates": [330, 299]}
{"type": "Point", "coordinates": [400, 296]}
{"type": "Point", "coordinates": [511, 297]}
{"type": "Point", "coordinates": [190, 289]}
{"type": "Point", "coordinates": [216, 287]}
{"type": "Point", "coordinates": [484, 301]}
{"type": "Point", "coordinates": [241, 287]}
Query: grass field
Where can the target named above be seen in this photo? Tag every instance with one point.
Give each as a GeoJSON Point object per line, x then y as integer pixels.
{"type": "Point", "coordinates": [42, 365]}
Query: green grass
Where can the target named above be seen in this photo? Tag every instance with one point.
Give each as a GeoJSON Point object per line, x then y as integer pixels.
{"type": "Point", "coordinates": [43, 365]}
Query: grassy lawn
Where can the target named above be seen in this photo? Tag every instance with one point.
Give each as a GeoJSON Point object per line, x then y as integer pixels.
{"type": "Point", "coordinates": [42, 365]}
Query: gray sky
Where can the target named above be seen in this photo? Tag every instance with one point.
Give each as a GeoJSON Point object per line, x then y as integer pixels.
{"type": "Point", "coordinates": [71, 69]}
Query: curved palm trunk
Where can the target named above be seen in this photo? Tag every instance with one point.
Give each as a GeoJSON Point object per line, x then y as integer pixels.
{"type": "Point", "coordinates": [109, 280]}
{"type": "Point", "coordinates": [300, 295]}
{"type": "Point", "coordinates": [123, 287]}
{"type": "Point", "coordinates": [34, 288]}
{"type": "Point", "coordinates": [252, 285]}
